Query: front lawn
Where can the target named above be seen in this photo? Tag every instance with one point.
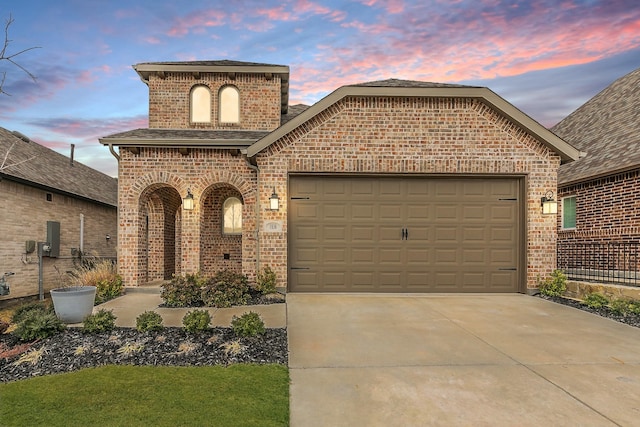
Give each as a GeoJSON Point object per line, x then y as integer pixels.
{"type": "Point", "coordinates": [237, 395]}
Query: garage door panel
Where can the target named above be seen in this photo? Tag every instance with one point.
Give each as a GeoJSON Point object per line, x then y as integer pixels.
{"type": "Point", "coordinates": [404, 234]}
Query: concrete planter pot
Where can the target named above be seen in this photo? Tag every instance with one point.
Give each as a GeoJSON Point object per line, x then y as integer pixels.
{"type": "Point", "coordinates": [73, 304]}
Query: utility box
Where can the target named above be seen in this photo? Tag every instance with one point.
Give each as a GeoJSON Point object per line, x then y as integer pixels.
{"type": "Point", "coordinates": [53, 238]}
{"type": "Point", "coordinates": [29, 246]}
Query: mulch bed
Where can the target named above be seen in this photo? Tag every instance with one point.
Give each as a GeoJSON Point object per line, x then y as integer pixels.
{"type": "Point", "coordinates": [72, 350]}
{"type": "Point", "coordinates": [629, 319]}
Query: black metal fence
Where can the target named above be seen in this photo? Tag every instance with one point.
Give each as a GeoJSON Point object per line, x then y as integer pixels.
{"type": "Point", "coordinates": [605, 262]}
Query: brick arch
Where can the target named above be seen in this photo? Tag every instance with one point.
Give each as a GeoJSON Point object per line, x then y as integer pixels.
{"type": "Point", "coordinates": [246, 188]}
{"type": "Point", "coordinates": [152, 181]}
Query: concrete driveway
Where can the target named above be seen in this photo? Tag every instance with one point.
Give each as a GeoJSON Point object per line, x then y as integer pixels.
{"type": "Point", "coordinates": [454, 360]}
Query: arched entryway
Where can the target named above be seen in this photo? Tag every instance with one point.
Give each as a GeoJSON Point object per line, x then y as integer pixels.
{"type": "Point", "coordinates": [221, 229]}
{"type": "Point", "coordinates": [159, 233]}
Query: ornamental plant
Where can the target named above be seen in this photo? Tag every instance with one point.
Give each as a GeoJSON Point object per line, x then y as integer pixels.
{"type": "Point", "coordinates": [266, 281]}
{"type": "Point", "coordinates": [554, 286]}
{"type": "Point", "coordinates": [248, 325]}
{"type": "Point", "coordinates": [226, 289]}
{"type": "Point", "coordinates": [183, 291]}
{"type": "Point", "coordinates": [196, 321]}
{"type": "Point", "coordinates": [102, 321]}
{"type": "Point", "coordinates": [149, 321]}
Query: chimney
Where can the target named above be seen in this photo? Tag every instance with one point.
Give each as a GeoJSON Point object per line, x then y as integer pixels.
{"type": "Point", "coordinates": [73, 147]}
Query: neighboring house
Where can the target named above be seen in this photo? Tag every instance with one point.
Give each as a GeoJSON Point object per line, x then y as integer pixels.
{"type": "Point", "coordinates": [389, 186]}
{"type": "Point", "coordinates": [49, 198]}
{"type": "Point", "coordinates": [599, 209]}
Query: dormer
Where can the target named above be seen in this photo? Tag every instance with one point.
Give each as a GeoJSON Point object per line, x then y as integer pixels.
{"type": "Point", "coordinates": [216, 95]}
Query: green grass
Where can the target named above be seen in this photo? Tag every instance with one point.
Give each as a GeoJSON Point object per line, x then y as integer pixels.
{"type": "Point", "coordinates": [238, 395]}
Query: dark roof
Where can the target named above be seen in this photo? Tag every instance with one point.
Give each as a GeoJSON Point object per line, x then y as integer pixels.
{"type": "Point", "coordinates": [214, 63]}
{"type": "Point", "coordinates": [36, 165]}
{"type": "Point", "coordinates": [293, 111]}
{"type": "Point", "coordinates": [607, 127]}
{"type": "Point", "coordinates": [405, 83]}
{"type": "Point", "coordinates": [185, 138]}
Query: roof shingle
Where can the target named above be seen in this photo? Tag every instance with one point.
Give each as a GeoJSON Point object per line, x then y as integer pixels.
{"type": "Point", "coordinates": [607, 127]}
{"type": "Point", "coordinates": [33, 163]}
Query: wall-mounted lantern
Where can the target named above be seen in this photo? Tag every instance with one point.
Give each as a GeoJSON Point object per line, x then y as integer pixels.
{"type": "Point", "coordinates": [274, 201]}
{"type": "Point", "coordinates": [549, 205]}
{"type": "Point", "coordinates": [187, 202]}
{"type": "Point", "coordinates": [107, 237]}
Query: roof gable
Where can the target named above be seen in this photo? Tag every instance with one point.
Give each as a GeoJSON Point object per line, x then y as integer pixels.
{"type": "Point", "coordinates": [408, 88]}
{"type": "Point", "coordinates": [36, 165]}
{"type": "Point", "coordinates": [607, 127]}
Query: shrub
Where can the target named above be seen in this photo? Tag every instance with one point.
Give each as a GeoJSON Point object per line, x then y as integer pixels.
{"type": "Point", "coordinates": [625, 306]}
{"type": "Point", "coordinates": [101, 273]}
{"type": "Point", "coordinates": [36, 324]}
{"type": "Point", "coordinates": [23, 310]}
{"type": "Point", "coordinates": [102, 321]}
{"type": "Point", "coordinates": [266, 281]}
{"type": "Point", "coordinates": [183, 291]}
{"type": "Point", "coordinates": [595, 300]}
{"type": "Point", "coordinates": [226, 289]}
{"type": "Point", "coordinates": [248, 325]}
{"type": "Point", "coordinates": [196, 321]}
{"type": "Point", "coordinates": [554, 286]}
{"type": "Point", "coordinates": [149, 321]}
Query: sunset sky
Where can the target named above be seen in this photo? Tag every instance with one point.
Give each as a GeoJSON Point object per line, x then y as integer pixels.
{"type": "Point", "coordinates": [545, 57]}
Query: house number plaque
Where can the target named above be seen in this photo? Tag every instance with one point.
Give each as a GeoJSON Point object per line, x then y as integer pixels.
{"type": "Point", "coordinates": [272, 227]}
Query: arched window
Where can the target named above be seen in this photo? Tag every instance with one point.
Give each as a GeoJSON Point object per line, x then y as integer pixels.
{"type": "Point", "coordinates": [200, 104]}
{"type": "Point", "coordinates": [229, 99]}
{"type": "Point", "coordinates": [232, 216]}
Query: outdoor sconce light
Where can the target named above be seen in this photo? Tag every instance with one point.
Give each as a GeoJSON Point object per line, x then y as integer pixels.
{"type": "Point", "coordinates": [187, 202]}
{"type": "Point", "coordinates": [108, 237]}
{"type": "Point", "coordinates": [549, 205]}
{"type": "Point", "coordinates": [274, 201]}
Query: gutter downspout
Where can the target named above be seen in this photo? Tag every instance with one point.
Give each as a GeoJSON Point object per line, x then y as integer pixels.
{"type": "Point", "coordinates": [255, 168]}
{"type": "Point", "coordinates": [113, 152]}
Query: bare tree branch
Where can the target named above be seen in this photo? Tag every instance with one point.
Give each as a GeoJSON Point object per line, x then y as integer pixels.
{"type": "Point", "coordinates": [4, 56]}
{"type": "Point", "coordinates": [4, 164]}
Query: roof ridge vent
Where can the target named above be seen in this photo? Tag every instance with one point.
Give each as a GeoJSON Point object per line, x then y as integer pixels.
{"type": "Point", "coordinates": [22, 136]}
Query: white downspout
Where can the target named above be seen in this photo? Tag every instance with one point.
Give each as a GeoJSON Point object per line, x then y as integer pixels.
{"type": "Point", "coordinates": [82, 234]}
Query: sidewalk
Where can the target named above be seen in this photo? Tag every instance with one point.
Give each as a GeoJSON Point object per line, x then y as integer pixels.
{"type": "Point", "coordinates": [136, 301]}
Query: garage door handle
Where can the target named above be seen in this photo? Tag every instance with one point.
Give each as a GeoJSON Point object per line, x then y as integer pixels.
{"type": "Point", "coordinates": [300, 268]}
{"type": "Point", "coordinates": [508, 269]}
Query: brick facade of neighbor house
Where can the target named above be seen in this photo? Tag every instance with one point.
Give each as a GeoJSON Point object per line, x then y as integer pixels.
{"type": "Point", "coordinates": [605, 183]}
{"type": "Point", "coordinates": [388, 128]}
{"type": "Point", "coordinates": [28, 204]}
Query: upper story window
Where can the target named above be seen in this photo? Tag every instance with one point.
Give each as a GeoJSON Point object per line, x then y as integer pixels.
{"type": "Point", "coordinates": [232, 216]}
{"type": "Point", "coordinates": [200, 104]}
{"type": "Point", "coordinates": [569, 212]}
{"type": "Point", "coordinates": [229, 101]}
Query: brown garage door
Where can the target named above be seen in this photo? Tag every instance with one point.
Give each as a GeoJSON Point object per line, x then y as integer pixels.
{"type": "Point", "coordinates": [404, 234]}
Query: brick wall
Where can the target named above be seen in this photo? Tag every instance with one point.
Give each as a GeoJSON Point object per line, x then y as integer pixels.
{"type": "Point", "coordinates": [607, 209]}
{"type": "Point", "coordinates": [169, 101]}
{"type": "Point", "coordinates": [165, 173]}
{"type": "Point", "coordinates": [412, 135]}
{"type": "Point", "coordinates": [24, 213]}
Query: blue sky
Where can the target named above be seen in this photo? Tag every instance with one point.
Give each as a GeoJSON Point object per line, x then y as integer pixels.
{"type": "Point", "coordinates": [545, 57]}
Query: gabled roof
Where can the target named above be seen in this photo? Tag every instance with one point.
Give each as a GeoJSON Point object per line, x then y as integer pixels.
{"type": "Point", "coordinates": [410, 88]}
{"type": "Point", "coordinates": [607, 127]}
{"type": "Point", "coordinates": [33, 164]}
{"type": "Point", "coordinates": [145, 69]}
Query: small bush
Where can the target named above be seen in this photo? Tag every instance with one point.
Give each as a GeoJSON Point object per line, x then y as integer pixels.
{"type": "Point", "coordinates": [554, 286]}
{"type": "Point", "coordinates": [248, 325]}
{"type": "Point", "coordinates": [149, 321]}
{"type": "Point", "coordinates": [183, 291]}
{"type": "Point", "coordinates": [102, 321]}
{"type": "Point", "coordinates": [196, 321]}
{"type": "Point", "coordinates": [36, 324]}
{"type": "Point", "coordinates": [595, 300]}
{"type": "Point", "coordinates": [625, 306]}
{"type": "Point", "coordinates": [266, 281]}
{"type": "Point", "coordinates": [226, 289]}
{"type": "Point", "coordinates": [101, 273]}
{"type": "Point", "coordinates": [22, 311]}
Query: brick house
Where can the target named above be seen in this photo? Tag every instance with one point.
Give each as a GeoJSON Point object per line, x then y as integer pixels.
{"type": "Point", "coordinates": [599, 221]}
{"type": "Point", "coordinates": [50, 198]}
{"type": "Point", "coordinates": [389, 186]}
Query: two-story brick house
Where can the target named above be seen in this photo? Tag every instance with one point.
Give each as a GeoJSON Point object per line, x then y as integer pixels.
{"type": "Point", "coordinates": [389, 186]}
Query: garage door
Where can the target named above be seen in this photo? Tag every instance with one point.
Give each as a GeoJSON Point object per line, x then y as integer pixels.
{"type": "Point", "coordinates": [404, 234]}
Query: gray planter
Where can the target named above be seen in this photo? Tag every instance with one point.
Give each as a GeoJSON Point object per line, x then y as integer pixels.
{"type": "Point", "coordinates": [73, 304]}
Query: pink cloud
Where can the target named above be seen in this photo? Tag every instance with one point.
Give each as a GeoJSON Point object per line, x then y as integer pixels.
{"type": "Point", "coordinates": [391, 6]}
{"type": "Point", "coordinates": [196, 20]}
